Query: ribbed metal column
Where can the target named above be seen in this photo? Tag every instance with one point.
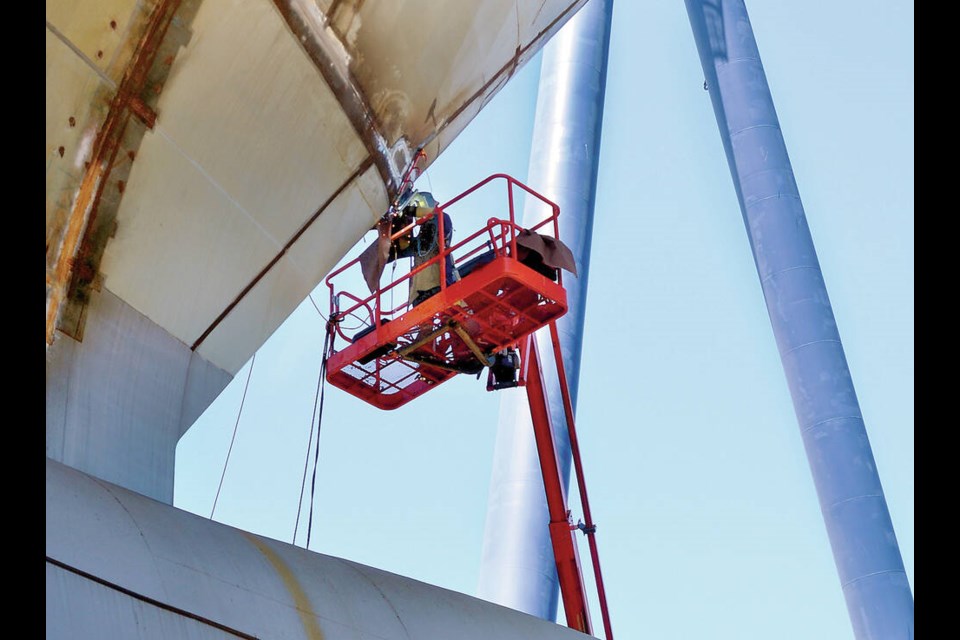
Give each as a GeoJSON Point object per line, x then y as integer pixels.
{"type": "Point", "coordinates": [874, 583]}
{"type": "Point", "coordinates": [517, 567]}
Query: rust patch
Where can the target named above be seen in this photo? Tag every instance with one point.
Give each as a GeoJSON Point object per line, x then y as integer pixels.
{"type": "Point", "coordinates": [141, 110]}
{"type": "Point", "coordinates": [301, 601]}
{"type": "Point", "coordinates": [74, 270]}
{"type": "Point", "coordinates": [342, 14]}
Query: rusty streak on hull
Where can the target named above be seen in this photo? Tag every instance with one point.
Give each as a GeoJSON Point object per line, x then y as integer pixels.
{"type": "Point", "coordinates": [351, 100]}
{"type": "Point", "coordinates": [104, 152]}
{"type": "Point", "coordinates": [317, 42]}
{"type": "Point", "coordinates": [308, 617]}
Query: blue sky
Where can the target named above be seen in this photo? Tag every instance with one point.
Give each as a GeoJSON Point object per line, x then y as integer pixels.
{"type": "Point", "coordinates": [708, 521]}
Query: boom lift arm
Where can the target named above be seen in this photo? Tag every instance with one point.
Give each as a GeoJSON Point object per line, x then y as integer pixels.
{"type": "Point", "coordinates": [486, 319]}
{"type": "Point", "coordinates": [562, 530]}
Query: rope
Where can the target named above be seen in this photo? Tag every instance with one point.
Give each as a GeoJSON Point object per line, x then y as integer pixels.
{"type": "Point", "coordinates": [316, 456]}
{"type": "Point", "coordinates": [352, 314]}
{"type": "Point", "coordinates": [315, 417]}
{"type": "Point", "coordinates": [393, 274]}
{"type": "Point", "coordinates": [310, 295]}
{"type": "Point", "coordinates": [234, 436]}
{"type": "Point", "coordinates": [306, 461]}
{"type": "Point", "coordinates": [426, 172]}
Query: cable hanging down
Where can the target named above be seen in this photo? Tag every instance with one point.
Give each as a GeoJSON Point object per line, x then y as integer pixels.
{"type": "Point", "coordinates": [316, 417]}
{"type": "Point", "coordinates": [234, 436]}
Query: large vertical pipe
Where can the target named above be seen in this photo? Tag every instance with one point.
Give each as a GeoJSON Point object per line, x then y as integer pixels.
{"type": "Point", "coordinates": [517, 566]}
{"type": "Point", "coordinates": [874, 583]}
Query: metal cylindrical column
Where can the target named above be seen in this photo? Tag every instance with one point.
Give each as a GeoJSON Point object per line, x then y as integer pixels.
{"type": "Point", "coordinates": [865, 549]}
{"type": "Point", "coordinates": [517, 567]}
{"type": "Point", "coordinates": [122, 565]}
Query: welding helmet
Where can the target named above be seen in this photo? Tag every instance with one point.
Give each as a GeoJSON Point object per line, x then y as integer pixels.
{"type": "Point", "coordinates": [422, 199]}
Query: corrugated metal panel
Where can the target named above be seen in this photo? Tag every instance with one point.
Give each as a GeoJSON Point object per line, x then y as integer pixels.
{"type": "Point", "coordinates": [59, 364]}
{"type": "Point", "coordinates": [197, 568]}
{"type": "Point", "coordinates": [115, 402]}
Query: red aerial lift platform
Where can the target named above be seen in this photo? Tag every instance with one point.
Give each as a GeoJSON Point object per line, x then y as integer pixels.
{"type": "Point", "coordinates": [402, 352]}
{"type": "Point", "coordinates": [485, 320]}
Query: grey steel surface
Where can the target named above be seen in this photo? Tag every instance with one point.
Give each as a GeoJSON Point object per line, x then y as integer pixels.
{"type": "Point", "coordinates": [121, 565]}
{"type": "Point", "coordinates": [517, 565]}
{"type": "Point", "coordinates": [118, 402]}
{"type": "Point", "coordinates": [865, 549]}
